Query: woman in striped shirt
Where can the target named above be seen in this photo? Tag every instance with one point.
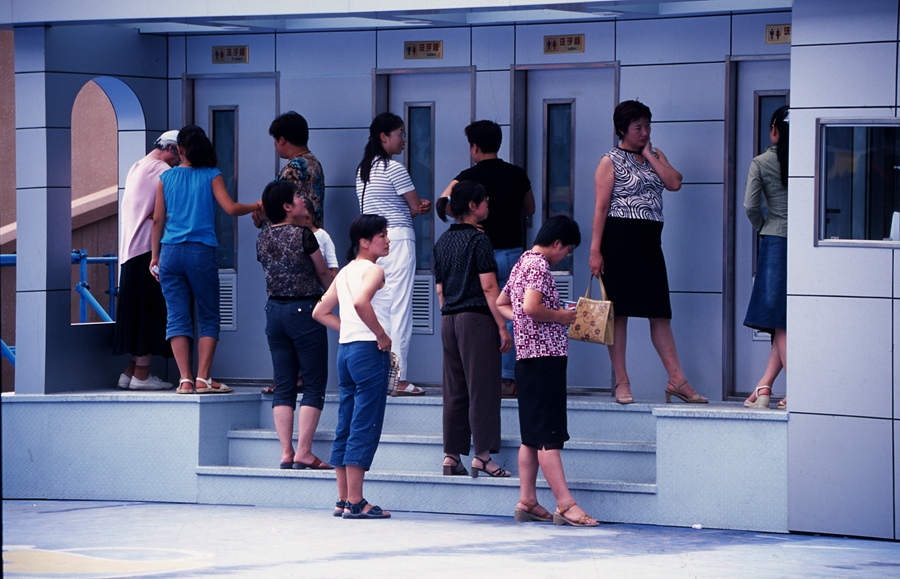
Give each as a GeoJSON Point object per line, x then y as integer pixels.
{"type": "Point", "coordinates": [384, 188]}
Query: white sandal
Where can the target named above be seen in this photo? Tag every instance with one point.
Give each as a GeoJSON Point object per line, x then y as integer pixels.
{"type": "Point", "coordinates": [208, 389]}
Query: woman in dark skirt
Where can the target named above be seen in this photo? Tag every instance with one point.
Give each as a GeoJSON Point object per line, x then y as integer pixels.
{"type": "Point", "coordinates": [767, 311]}
{"type": "Point", "coordinates": [626, 245]}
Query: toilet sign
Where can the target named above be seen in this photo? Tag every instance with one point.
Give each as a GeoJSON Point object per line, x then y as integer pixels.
{"type": "Point", "coordinates": [230, 54]}
{"type": "Point", "coordinates": [778, 33]}
{"type": "Point", "coordinates": [564, 43]}
{"type": "Point", "coordinates": [428, 49]}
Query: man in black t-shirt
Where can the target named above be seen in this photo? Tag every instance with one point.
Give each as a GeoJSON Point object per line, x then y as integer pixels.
{"type": "Point", "coordinates": [510, 199]}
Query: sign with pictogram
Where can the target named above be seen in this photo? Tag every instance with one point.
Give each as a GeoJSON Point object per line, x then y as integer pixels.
{"type": "Point", "coordinates": [418, 49]}
{"type": "Point", "coordinates": [778, 33]}
{"type": "Point", "coordinates": [230, 54]}
{"type": "Point", "coordinates": [564, 43]}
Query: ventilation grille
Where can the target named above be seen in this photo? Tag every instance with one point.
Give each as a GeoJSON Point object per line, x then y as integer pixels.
{"type": "Point", "coordinates": [565, 285]}
{"type": "Point", "coordinates": [228, 300]}
{"type": "Point", "coordinates": [422, 304]}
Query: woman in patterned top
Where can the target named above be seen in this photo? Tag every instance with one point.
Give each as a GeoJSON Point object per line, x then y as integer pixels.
{"type": "Point", "coordinates": [296, 277]}
{"type": "Point", "coordinates": [626, 245]}
{"type": "Point", "coordinates": [465, 274]}
{"type": "Point", "coordinates": [767, 311]}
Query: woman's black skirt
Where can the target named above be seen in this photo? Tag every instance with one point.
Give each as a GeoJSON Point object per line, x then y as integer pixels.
{"type": "Point", "coordinates": [635, 269]}
{"type": "Point", "coordinates": [140, 311]}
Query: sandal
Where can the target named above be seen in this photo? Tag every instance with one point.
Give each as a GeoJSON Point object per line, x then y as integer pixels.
{"type": "Point", "coordinates": [208, 389]}
{"type": "Point", "coordinates": [527, 514]}
{"type": "Point", "coordinates": [185, 389]}
{"type": "Point", "coordinates": [316, 464]}
{"type": "Point", "coordinates": [695, 399]}
{"type": "Point", "coordinates": [357, 511]}
{"type": "Point", "coordinates": [626, 398]}
{"type": "Point", "coordinates": [339, 508]}
{"type": "Point", "coordinates": [782, 404]}
{"type": "Point", "coordinates": [454, 469]}
{"type": "Point", "coordinates": [762, 400]}
{"type": "Point", "coordinates": [559, 518]}
{"type": "Point", "coordinates": [496, 473]}
{"type": "Point", "coordinates": [270, 389]}
{"type": "Point", "coordinates": [508, 389]}
{"type": "Point", "coordinates": [410, 390]}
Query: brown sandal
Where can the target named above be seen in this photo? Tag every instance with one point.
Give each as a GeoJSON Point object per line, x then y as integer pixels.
{"type": "Point", "coordinates": [624, 398]}
{"type": "Point", "coordinates": [528, 514]}
{"type": "Point", "coordinates": [695, 399]}
{"type": "Point", "coordinates": [559, 518]}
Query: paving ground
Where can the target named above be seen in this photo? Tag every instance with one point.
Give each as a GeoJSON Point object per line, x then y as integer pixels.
{"type": "Point", "coordinates": [120, 539]}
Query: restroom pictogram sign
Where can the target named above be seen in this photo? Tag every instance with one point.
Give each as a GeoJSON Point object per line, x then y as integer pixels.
{"type": "Point", "coordinates": [564, 43]}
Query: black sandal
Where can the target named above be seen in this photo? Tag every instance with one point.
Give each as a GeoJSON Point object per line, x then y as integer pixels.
{"type": "Point", "coordinates": [497, 473]}
{"type": "Point", "coordinates": [339, 508]}
{"type": "Point", "coordinates": [357, 511]}
{"type": "Point", "coordinates": [454, 469]}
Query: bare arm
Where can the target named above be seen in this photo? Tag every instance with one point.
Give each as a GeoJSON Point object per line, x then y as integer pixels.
{"type": "Point", "coordinates": [534, 309]}
{"type": "Point", "coordinates": [446, 193]}
{"type": "Point", "coordinates": [156, 233]}
{"type": "Point", "coordinates": [230, 206]}
{"type": "Point", "coordinates": [439, 288]}
{"type": "Point", "coordinates": [491, 291]}
{"type": "Point", "coordinates": [670, 177]}
{"type": "Point", "coordinates": [372, 281]}
{"type": "Point", "coordinates": [416, 206]}
{"type": "Point", "coordinates": [504, 306]}
{"type": "Point", "coordinates": [603, 186]}
{"type": "Point", "coordinates": [528, 203]}
{"type": "Point", "coordinates": [324, 310]}
{"type": "Point", "coordinates": [322, 272]}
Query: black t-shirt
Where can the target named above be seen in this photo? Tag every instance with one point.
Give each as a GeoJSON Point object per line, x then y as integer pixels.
{"type": "Point", "coordinates": [506, 186]}
{"type": "Point", "coordinates": [461, 255]}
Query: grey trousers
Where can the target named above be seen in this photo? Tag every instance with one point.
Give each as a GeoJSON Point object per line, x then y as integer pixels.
{"type": "Point", "coordinates": [471, 383]}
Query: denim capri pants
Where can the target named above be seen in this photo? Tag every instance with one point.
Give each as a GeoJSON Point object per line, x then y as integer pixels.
{"type": "Point", "coordinates": [189, 270]}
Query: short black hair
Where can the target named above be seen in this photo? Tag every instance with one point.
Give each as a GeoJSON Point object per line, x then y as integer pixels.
{"type": "Point", "coordinates": [275, 195]}
{"type": "Point", "coordinates": [364, 227]}
{"type": "Point", "coordinates": [626, 113]}
{"type": "Point", "coordinates": [460, 196]}
{"type": "Point", "coordinates": [486, 134]}
{"type": "Point", "coordinates": [558, 228]}
{"type": "Point", "coordinates": [292, 126]}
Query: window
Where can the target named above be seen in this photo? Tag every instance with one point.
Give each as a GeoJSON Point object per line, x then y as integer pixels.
{"type": "Point", "coordinates": [224, 140]}
{"type": "Point", "coordinates": [559, 167]}
{"type": "Point", "coordinates": [859, 180]}
{"type": "Point", "coordinates": [420, 161]}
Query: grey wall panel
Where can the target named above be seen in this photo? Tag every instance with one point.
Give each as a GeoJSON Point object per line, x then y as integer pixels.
{"type": "Point", "coordinates": [844, 76]}
{"type": "Point", "coordinates": [896, 478]}
{"type": "Point", "coordinates": [839, 21]}
{"type": "Point", "coordinates": [261, 59]}
{"type": "Point", "coordinates": [329, 101]}
{"type": "Point", "coordinates": [493, 47]}
{"type": "Point", "coordinates": [830, 271]}
{"type": "Point", "coordinates": [151, 93]}
{"type": "Point", "coordinates": [684, 92]}
{"type": "Point", "coordinates": [31, 100]}
{"type": "Point", "coordinates": [695, 149]}
{"type": "Point", "coordinates": [177, 56]}
{"type": "Point", "coordinates": [87, 49]}
{"type": "Point", "coordinates": [599, 43]}
{"type": "Point", "coordinates": [31, 158]}
{"type": "Point", "coordinates": [44, 243]}
{"type": "Point", "coordinates": [840, 475]}
{"type": "Point", "coordinates": [697, 325]}
{"type": "Point", "coordinates": [28, 45]}
{"type": "Point", "coordinates": [175, 120]}
{"type": "Point", "coordinates": [642, 41]}
{"type": "Point", "coordinates": [31, 334]}
{"type": "Point", "coordinates": [457, 47]}
{"type": "Point", "coordinates": [692, 238]}
{"type": "Point", "coordinates": [803, 122]}
{"type": "Point", "coordinates": [897, 276]}
{"type": "Point", "coordinates": [748, 33]}
{"type": "Point", "coordinates": [837, 345]}
{"type": "Point", "coordinates": [339, 151]}
{"type": "Point", "coordinates": [346, 53]}
{"type": "Point", "coordinates": [492, 96]}
{"type": "Point", "coordinates": [896, 333]}
{"type": "Point", "coordinates": [132, 146]}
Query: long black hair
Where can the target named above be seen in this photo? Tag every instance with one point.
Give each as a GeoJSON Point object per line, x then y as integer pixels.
{"type": "Point", "coordinates": [385, 123]}
{"type": "Point", "coordinates": [461, 195]}
{"type": "Point", "coordinates": [781, 122]}
{"type": "Point", "coordinates": [197, 149]}
{"type": "Point", "coordinates": [364, 227]}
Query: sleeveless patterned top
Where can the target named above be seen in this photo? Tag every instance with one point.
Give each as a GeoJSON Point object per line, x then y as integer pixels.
{"type": "Point", "coordinates": [637, 191]}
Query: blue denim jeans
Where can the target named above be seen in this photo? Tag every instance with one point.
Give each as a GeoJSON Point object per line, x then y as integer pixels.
{"type": "Point", "coordinates": [297, 343]}
{"type": "Point", "coordinates": [506, 259]}
{"type": "Point", "coordinates": [189, 270]}
{"type": "Point", "coordinates": [363, 378]}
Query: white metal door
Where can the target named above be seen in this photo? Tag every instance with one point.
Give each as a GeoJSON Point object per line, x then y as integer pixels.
{"type": "Point", "coordinates": [242, 351]}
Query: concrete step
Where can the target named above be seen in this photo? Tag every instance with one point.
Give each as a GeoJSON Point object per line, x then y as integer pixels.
{"type": "Point", "coordinates": [609, 501]}
{"type": "Point", "coordinates": [589, 418]}
{"type": "Point", "coordinates": [634, 462]}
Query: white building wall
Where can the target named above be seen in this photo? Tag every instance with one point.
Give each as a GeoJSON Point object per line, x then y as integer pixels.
{"type": "Point", "coordinates": [842, 301]}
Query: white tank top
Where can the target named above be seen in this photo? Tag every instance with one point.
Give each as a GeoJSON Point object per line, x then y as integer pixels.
{"type": "Point", "coordinates": [349, 281]}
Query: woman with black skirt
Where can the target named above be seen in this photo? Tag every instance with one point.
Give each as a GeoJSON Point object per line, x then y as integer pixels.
{"type": "Point", "coordinates": [626, 245]}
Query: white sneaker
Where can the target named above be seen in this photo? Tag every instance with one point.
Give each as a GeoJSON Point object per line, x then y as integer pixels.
{"type": "Point", "coordinates": [151, 383]}
{"type": "Point", "coordinates": [124, 382]}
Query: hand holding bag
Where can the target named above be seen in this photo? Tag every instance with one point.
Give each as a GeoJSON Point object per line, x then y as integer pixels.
{"type": "Point", "coordinates": [593, 318]}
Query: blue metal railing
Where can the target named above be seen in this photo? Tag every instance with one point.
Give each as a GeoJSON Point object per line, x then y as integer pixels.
{"type": "Point", "coordinates": [9, 352]}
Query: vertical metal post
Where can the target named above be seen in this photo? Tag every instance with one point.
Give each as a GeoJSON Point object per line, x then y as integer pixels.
{"type": "Point", "coordinates": [113, 290]}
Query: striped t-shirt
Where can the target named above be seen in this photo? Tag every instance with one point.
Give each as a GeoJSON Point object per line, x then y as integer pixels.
{"type": "Point", "coordinates": [383, 192]}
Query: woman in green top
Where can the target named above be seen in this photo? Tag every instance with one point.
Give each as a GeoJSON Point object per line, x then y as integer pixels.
{"type": "Point", "coordinates": [767, 311]}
